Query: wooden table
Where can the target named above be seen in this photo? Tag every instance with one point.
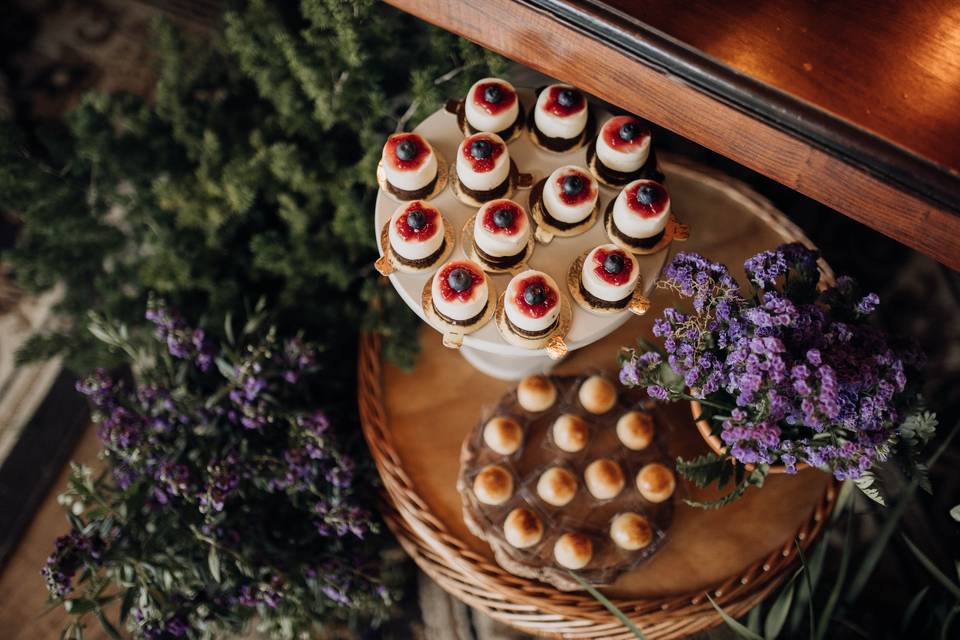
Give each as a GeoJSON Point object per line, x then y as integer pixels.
{"type": "Point", "coordinates": [853, 103]}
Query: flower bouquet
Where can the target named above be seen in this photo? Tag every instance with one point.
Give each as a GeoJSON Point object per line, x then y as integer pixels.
{"type": "Point", "coordinates": [789, 374]}
{"type": "Point", "coordinates": [228, 493]}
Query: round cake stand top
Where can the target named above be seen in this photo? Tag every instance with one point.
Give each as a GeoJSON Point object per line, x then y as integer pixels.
{"type": "Point", "coordinates": [736, 553]}
{"type": "Point", "coordinates": [441, 130]}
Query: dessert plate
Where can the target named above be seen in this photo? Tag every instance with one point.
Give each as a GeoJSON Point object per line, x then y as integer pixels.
{"type": "Point", "coordinates": [485, 348]}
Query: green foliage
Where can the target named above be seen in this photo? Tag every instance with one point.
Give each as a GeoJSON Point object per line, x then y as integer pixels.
{"type": "Point", "coordinates": [250, 172]}
{"type": "Point", "coordinates": [711, 468]}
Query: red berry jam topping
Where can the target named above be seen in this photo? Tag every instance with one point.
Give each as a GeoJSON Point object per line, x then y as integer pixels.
{"type": "Point", "coordinates": [458, 280]}
{"type": "Point", "coordinates": [614, 266]}
{"type": "Point", "coordinates": [564, 101]}
{"type": "Point", "coordinates": [406, 151]}
{"type": "Point", "coordinates": [575, 187]}
{"type": "Point", "coordinates": [494, 97]}
{"type": "Point", "coordinates": [503, 216]}
{"type": "Point", "coordinates": [482, 151]}
{"type": "Point", "coordinates": [535, 297]}
{"type": "Point", "coordinates": [647, 198]}
{"type": "Point", "coordinates": [625, 133]}
{"type": "Point", "coordinates": [417, 222]}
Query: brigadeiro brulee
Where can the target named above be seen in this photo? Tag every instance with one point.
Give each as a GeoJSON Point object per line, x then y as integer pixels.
{"type": "Point", "coordinates": [637, 218]}
{"type": "Point", "coordinates": [623, 152]}
{"type": "Point", "coordinates": [484, 170]}
{"type": "Point", "coordinates": [561, 120]}
{"type": "Point", "coordinates": [491, 106]}
{"type": "Point", "coordinates": [606, 280]}
{"type": "Point", "coordinates": [410, 168]}
{"type": "Point", "coordinates": [417, 238]}
{"type": "Point", "coordinates": [531, 309]}
{"type": "Point", "coordinates": [565, 203]}
{"type": "Point", "coordinates": [461, 297]}
{"type": "Point", "coordinates": [500, 239]}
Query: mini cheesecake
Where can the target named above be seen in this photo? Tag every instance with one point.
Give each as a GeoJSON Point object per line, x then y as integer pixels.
{"type": "Point", "coordinates": [483, 169]}
{"type": "Point", "coordinates": [608, 278]}
{"type": "Point", "coordinates": [565, 203]}
{"type": "Point", "coordinates": [639, 215]}
{"type": "Point", "coordinates": [410, 168]}
{"type": "Point", "coordinates": [491, 106]}
{"type": "Point", "coordinates": [501, 234]}
{"type": "Point", "coordinates": [531, 305]}
{"type": "Point", "coordinates": [417, 236]}
{"type": "Point", "coordinates": [560, 119]}
{"type": "Point", "coordinates": [622, 152]}
{"type": "Point", "coordinates": [460, 294]}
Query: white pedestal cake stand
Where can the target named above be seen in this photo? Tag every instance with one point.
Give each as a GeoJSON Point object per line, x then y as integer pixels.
{"type": "Point", "coordinates": [485, 349]}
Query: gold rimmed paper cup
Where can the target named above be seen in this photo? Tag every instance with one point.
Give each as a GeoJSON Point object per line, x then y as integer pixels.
{"type": "Point", "coordinates": [552, 342]}
{"type": "Point", "coordinates": [400, 196]}
{"type": "Point", "coordinates": [673, 230]}
{"type": "Point", "coordinates": [388, 262]}
{"type": "Point", "coordinates": [545, 231]}
{"type": "Point", "coordinates": [638, 303]}
{"type": "Point", "coordinates": [453, 333]}
{"type": "Point", "coordinates": [470, 250]}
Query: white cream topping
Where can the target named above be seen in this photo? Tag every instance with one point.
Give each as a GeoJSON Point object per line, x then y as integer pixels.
{"type": "Point", "coordinates": [412, 179]}
{"type": "Point", "coordinates": [599, 287]}
{"type": "Point", "coordinates": [488, 179]}
{"type": "Point", "coordinates": [415, 248]}
{"type": "Point", "coordinates": [517, 316]}
{"type": "Point", "coordinates": [631, 223]}
{"type": "Point", "coordinates": [554, 126]}
{"type": "Point", "coordinates": [501, 244]}
{"type": "Point", "coordinates": [482, 120]}
{"type": "Point", "coordinates": [557, 208]}
{"type": "Point", "coordinates": [626, 158]}
{"type": "Point", "coordinates": [458, 309]}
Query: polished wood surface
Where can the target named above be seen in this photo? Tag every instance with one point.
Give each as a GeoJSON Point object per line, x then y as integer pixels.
{"type": "Point", "coordinates": [23, 598]}
{"type": "Point", "coordinates": [703, 547]}
{"type": "Point", "coordinates": [899, 204]}
{"type": "Point", "coordinates": [889, 66]}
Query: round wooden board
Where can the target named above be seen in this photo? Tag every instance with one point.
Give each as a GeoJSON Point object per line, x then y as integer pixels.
{"type": "Point", "coordinates": [416, 421]}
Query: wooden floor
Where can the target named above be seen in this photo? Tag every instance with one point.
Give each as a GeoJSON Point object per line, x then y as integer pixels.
{"type": "Point", "coordinates": [22, 594]}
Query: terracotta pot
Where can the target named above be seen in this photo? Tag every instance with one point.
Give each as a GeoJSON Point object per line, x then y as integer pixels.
{"type": "Point", "coordinates": [716, 445]}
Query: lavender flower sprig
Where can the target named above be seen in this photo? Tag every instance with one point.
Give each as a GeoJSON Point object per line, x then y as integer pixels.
{"type": "Point", "coordinates": [788, 374]}
{"type": "Point", "coordinates": [228, 491]}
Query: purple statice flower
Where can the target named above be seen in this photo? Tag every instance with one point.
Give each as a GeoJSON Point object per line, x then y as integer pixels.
{"type": "Point", "coordinates": [791, 363]}
{"type": "Point", "coordinates": [182, 342]}
{"type": "Point", "coordinates": [70, 553]}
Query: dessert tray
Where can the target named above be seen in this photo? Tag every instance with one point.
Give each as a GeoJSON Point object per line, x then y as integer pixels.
{"type": "Point", "coordinates": [486, 348]}
{"type": "Point", "coordinates": [736, 555]}
{"type": "Point", "coordinates": [552, 473]}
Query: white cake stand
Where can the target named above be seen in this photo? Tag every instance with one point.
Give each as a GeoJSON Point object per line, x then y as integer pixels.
{"type": "Point", "coordinates": [485, 349]}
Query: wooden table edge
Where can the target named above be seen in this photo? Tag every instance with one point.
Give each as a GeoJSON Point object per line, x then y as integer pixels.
{"type": "Point", "coordinates": [913, 202]}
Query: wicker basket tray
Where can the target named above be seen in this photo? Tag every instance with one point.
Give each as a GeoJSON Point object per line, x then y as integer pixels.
{"type": "Point", "coordinates": [414, 436]}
